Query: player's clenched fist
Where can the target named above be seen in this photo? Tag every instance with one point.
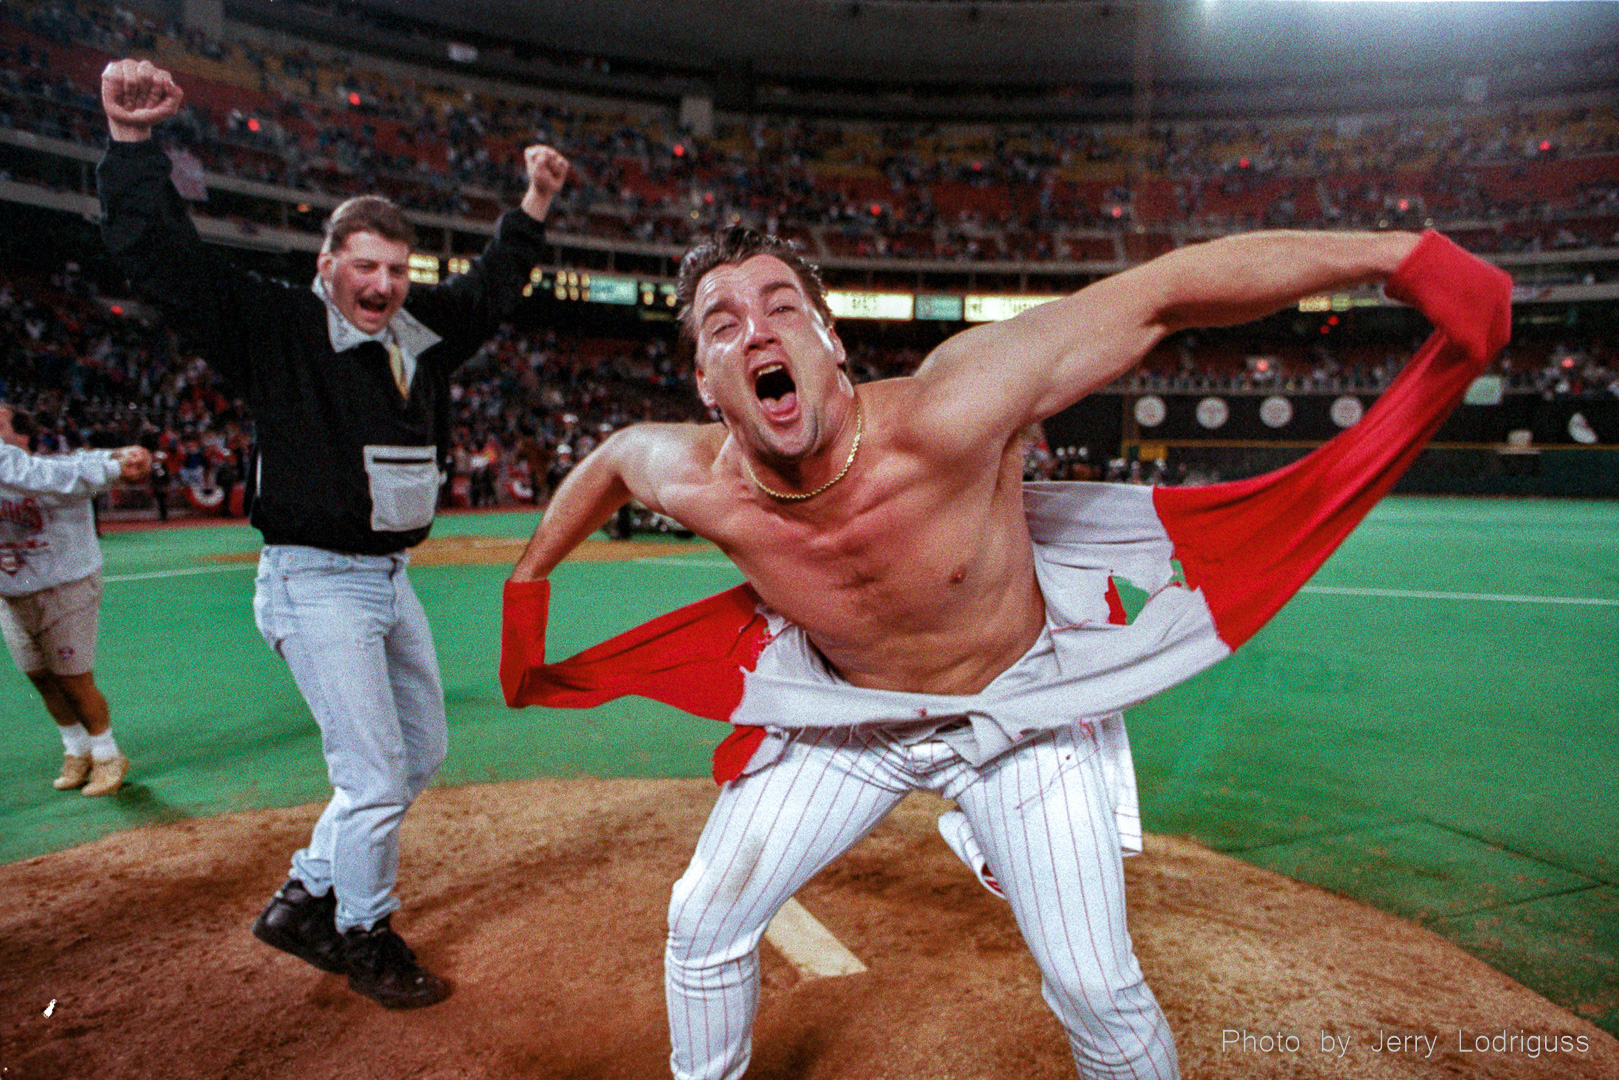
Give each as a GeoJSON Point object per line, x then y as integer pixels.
{"type": "Point", "coordinates": [546, 170]}
{"type": "Point", "coordinates": [134, 462]}
{"type": "Point", "coordinates": [137, 94]}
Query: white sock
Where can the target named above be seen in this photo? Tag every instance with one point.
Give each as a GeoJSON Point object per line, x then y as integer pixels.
{"type": "Point", "coordinates": [75, 740]}
{"type": "Point", "coordinates": [102, 747]}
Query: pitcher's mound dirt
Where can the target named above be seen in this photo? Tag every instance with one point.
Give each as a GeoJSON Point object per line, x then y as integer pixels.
{"type": "Point", "coordinates": [544, 902]}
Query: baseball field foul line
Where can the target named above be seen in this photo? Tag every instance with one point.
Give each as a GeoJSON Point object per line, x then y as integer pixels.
{"type": "Point", "coordinates": [183, 572]}
{"type": "Point", "coordinates": [1504, 598]}
{"type": "Point", "coordinates": [809, 946]}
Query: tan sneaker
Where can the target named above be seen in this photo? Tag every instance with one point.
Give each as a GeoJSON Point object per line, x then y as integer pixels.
{"type": "Point", "coordinates": [75, 771]}
{"type": "Point", "coordinates": [107, 776]}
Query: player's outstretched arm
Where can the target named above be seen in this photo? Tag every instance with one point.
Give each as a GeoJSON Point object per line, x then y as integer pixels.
{"type": "Point", "coordinates": [75, 475]}
{"type": "Point", "coordinates": [1003, 376]}
{"type": "Point", "coordinates": [637, 462]}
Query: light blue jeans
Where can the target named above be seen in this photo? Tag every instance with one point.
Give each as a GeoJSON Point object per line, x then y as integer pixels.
{"type": "Point", "coordinates": [357, 641]}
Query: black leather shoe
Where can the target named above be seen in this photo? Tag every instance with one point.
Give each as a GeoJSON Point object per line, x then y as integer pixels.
{"type": "Point", "coordinates": [303, 925]}
{"type": "Point", "coordinates": [382, 967]}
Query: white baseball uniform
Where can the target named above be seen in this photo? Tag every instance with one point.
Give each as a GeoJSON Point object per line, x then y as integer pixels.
{"type": "Point", "coordinates": [1049, 795]}
{"type": "Point", "coordinates": [50, 563]}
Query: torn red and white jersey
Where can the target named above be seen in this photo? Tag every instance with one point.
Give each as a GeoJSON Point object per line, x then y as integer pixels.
{"type": "Point", "coordinates": [1215, 563]}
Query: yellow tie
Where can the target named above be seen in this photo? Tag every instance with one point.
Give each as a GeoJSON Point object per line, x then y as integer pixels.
{"type": "Point", "coordinates": [396, 361]}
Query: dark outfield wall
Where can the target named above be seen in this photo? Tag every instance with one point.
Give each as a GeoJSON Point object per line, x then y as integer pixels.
{"type": "Point", "coordinates": [1469, 455]}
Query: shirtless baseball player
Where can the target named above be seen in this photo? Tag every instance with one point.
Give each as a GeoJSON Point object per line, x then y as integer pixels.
{"type": "Point", "coordinates": [887, 521]}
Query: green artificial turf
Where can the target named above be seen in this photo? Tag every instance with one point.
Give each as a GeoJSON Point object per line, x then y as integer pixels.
{"type": "Point", "coordinates": [1431, 727]}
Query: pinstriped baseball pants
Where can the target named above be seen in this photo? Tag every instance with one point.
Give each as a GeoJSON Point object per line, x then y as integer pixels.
{"type": "Point", "coordinates": [1042, 816]}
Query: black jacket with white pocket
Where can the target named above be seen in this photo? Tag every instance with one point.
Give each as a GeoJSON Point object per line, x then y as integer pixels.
{"type": "Point", "coordinates": [342, 461]}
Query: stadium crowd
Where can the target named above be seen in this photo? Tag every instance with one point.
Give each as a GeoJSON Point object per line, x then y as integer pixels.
{"type": "Point", "coordinates": [533, 403]}
{"type": "Point", "coordinates": [1499, 177]}
{"type": "Point", "coordinates": [1502, 177]}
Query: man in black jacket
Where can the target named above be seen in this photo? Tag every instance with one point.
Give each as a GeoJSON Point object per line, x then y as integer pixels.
{"type": "Point", "coordinates": [348, 383]}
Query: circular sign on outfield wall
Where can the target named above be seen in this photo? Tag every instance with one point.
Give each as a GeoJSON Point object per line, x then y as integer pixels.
{"type": "Point", "coordinates": [1151, 410]}
{"type": "Point", "coordinates": [1276, 411]}
{"type": "Point", "coordinates": [1212, 412]}
{"type": "Point", "coordinates": [1347, 411]}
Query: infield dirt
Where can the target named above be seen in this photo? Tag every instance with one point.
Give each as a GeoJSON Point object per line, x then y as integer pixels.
{"type": "Point", "coordinates": [544, 901]}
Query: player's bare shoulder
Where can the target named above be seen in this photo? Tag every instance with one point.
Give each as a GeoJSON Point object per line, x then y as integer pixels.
{"type": "Point", "coordinates": [669, 467]}
{"type": "Point", "coordinates": [949, 411]}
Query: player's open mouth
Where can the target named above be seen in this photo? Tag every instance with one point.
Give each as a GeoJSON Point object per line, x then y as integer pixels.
{"type": "Point", "coordinates": [775, 388]}
{"type": "Point", "coordinates": [376, 305]}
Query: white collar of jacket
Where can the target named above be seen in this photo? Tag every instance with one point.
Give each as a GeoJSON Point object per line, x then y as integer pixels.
{"type": "Point", "coordinates": [404, 329]}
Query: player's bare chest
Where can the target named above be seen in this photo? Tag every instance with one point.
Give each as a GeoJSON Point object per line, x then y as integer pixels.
{"type": "Point", "coordinates": [897, 552]}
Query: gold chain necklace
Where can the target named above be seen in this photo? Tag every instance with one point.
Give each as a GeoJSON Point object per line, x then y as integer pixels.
{"type": "Point", "coordinates": [854, 448]}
